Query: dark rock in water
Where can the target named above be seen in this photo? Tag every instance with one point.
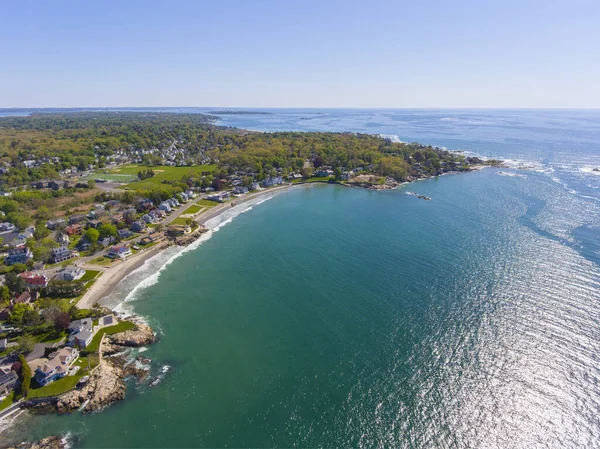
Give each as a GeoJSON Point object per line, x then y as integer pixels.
{"type": "Point", "coordinates": [52, 442]}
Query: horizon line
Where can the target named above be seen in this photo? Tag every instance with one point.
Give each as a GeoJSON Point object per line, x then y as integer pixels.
{"type": "Point", "coordinates": [303, 107]}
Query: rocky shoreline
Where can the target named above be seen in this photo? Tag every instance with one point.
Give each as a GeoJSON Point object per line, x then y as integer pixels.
{"type": "Point", "coordinates": [107, 383]}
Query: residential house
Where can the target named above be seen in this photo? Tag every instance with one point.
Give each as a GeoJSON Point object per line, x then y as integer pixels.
{"type": "Point", "coordinates": [270, 182]}
{"type": "Point", "coordinates": [347, 175]}
{"type": "Point", "coordinates": [117, 218]}
{"type": "Point", "coordinates": [240, 190]}
{"type": "Point", "coordinates": [124, 233]}
{"type": "Point", "coordinates": [109, 240]}
{"type": "Point", "coordinates": [54, 185]}
{"type": "Point", "coordinates": [57, 366]}
{"type": "Point", "coordinates": [62, 238]}
{"type": "Point", "coordinates": [164, 206]}
{"type": "Point", "coordinates": [8, 381]}
{"type": "Point", "coordinates": [71, 273]}
{"type": "Point", "coordinates": [147, 218]}
{"type": "Point", "coordinates": [255, 186]}
{"type": "Point", "coordinates": [94, 224]}
{"type": "Point", "coordinates": [60, 254]}
{"type": "Point", "coordinates": [18, 255]}
{"type": "Point", "coordinates": [55, 224]}
{"type": "Point", "coordinates": [6, 227]}
{"type": "Point", "coordinates": [3, 344]}
{"type": "Point", "coordinates": [138, 226]}
{"type": "Point", "coordinates": [25, 298]}
{"type": "Point", "coordinates": [157, 215]}
{"type": "Point", "coordinates": [33, 280]}
{"type": "Point", "coordinates": [77, 218]}
{"type": "Point", "coordinates": [219, 196]}
{"type": "Point", "coordinates": [75, 229]}
{"type": "Point", "coordinates": [119, 251]}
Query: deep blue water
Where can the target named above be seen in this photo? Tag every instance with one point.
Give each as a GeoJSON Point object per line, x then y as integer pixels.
{"type": "Point", "coordinates": [336, 317]}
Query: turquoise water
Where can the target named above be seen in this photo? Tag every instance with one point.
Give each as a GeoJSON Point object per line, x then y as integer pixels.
{"type": "Point", "coordinates": [329, 316]}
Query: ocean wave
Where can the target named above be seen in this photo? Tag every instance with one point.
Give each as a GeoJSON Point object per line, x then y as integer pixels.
{"type": "Point", "coordinates": [590, 170]}
{"type": "Point", "coordinates": [149, 273]}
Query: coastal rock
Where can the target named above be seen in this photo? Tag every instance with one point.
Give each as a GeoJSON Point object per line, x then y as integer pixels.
{"type": "Point", "coordinates": [52, 442]}
{"type": "Point", "coordinates": [141, 336]}
{"type": "Point", "coordinates": [104, 387]}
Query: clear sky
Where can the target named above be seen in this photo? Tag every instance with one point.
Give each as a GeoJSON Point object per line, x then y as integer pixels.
{"type": "Point", "coordinates": [300, 53]}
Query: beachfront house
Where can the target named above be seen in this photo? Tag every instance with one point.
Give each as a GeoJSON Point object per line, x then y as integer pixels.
{"type": "Point", "coordinates": [57, 366]}
{"type": "Point", "coordinates": [119, 251]}
{"type": "Point", "coordinates": [219, 197]}
{"type": "Point", "coordinates": [18, 255]}
{"type": "Point", "coordinates": [82, 332]}
{"type": "Point", "coordinates": [71, 273]}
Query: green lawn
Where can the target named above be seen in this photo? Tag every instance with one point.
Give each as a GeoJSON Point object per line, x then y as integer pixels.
{"type": "Point", "coordinates": [7, 400]}
{"type": "Point", "coordinates": [57, 387]}
{"type": "Point", "coordinates": [102, 261]}
{"type": "Point", "coordinates": [51, 336]}
{"type": "Point", "coordinates": [207, 203]}
{"type": "Point", "coordinates": [180, 221]}
{"type": "Point", "coordinates": [193, 209]}
{"type": "Point", "coordinates": [121, 327]}
{"type": "Point", "coordinates": [315, 179]}
{"type": "Point", "coordinates": [90, 275]}
{"type": "Point", "coordinates": [162, 173]}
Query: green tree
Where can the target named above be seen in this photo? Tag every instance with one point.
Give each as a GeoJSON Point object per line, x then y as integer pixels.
{"type": "Point", "coordinates": [19, 267]}
{"type": "Point", "coordinates": [4, 296]}
{"type": "Point", "coordinates": [337, 172]}
{"type": "Point", "coordinates": [18, 312]}
{"type": "Point", "coordinates": [107, 230]}
{"type": "Point", "coordinates": [26, 343]}
{"type": "Point", "coordinates": [91, 184]}
{"type": "Point", "coordinates": [42, 213]}
{"type": "Point", "coordinates": [92, 235]}
{"type": "Point", "coordinates": [25, 376]}
{"type": "Point", "coordinates": [40, 232]}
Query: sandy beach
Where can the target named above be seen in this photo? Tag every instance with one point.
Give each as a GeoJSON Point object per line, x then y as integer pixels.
{"type": "Point", "coordinates": [111, 276]}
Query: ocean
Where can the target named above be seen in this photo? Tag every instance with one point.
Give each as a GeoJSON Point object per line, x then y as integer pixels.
{"type": "Point", "coordinates": [324, 316]}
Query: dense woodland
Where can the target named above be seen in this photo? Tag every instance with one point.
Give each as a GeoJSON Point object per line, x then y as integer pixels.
{"type": "Point", "coordinates": [80, 139]}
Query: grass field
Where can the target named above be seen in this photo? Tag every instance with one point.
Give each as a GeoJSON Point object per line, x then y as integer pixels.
{"type": "Point", "coordinates": [127, 174]}
{"type": "Point", "coordinates": [7, 400]}
{"type": "Point", "coordinates": [121, 327]}
{"type": "Point", "coordinates": [193, 209]}
{"type": "Point", "coordinates": [57, 387]}
{"type": "Point", "coordinates": [180, 221]}
{"type": "Point", "coordinates": [206, 203]}
{"type": "Point", "coordinates": [89, 275]}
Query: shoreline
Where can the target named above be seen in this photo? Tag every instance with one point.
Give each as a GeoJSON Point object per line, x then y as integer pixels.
{"type": "Point", "coordinates": [111, 276]}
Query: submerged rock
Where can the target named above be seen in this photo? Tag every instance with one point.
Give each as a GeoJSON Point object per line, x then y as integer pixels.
{"type": "Point", "coordinates": [52, 442]}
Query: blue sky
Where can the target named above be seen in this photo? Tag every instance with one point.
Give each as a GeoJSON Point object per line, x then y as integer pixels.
{"type": "Point", "coordinates": [305, 53]}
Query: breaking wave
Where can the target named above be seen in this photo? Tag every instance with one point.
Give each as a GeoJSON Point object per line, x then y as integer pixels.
{"type": "Point", "coordinates": [149, 273]}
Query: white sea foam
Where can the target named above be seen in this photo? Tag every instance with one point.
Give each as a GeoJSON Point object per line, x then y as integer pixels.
{"type": "Point", "coordinates": [590, 170]}
{"type": "Point", "coordinates": [149, 273]}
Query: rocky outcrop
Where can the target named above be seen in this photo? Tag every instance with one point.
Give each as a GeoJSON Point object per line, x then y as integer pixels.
{"type": "Point", "coordinates": [107, 384]}
{"type": "Point", "coordinates": [141, 336]}
{"type": "Point", "coordinates": [53, 442]}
